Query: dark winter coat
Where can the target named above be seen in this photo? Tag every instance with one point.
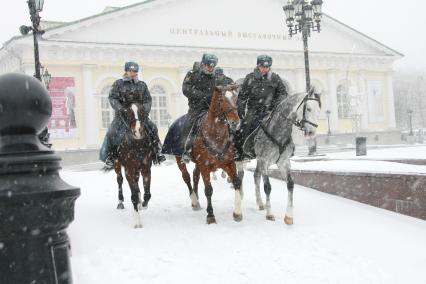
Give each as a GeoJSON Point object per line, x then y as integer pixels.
{"type": "Point", "coordinates": [124, 92]}
{"type": "Point", "coordinates": [260, 94]}
{"type": "Point", "coordinates": [198, 87]}
{"type": "Point", "coordinates": [257, 98]}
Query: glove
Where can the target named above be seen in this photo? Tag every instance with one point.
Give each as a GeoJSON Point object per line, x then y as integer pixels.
{"type": "Point", "coordinates": [122, 111]}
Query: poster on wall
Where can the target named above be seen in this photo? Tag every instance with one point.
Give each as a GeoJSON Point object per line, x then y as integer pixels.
{"type": "Point", "coordinates": [62, 124]}
{"type": "Point", "coordinates": [375, 102]}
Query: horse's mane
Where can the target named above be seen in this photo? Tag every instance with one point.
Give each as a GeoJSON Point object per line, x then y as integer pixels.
{"type": "Point", "coordinates": [288, 105]}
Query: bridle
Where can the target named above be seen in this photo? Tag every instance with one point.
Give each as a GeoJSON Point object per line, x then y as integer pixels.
{"type": "Point", "coordinates": [223, 115]}
{"type": "Point", "coordinates": [129, 122]}
{"type": "Point", "coordinates": [300, 123]}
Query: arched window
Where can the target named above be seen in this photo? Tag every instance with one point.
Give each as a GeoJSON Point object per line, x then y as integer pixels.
{"type": "Point", "coordinates": [159, 114]}
{"type": "Point", "coordinates": [343, 102]}
{"type": "Point", "coordinates": [106, 110]}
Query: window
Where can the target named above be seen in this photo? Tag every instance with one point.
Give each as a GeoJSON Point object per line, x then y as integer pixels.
{"type": "Point", "coordinates": [159, 114]}
{"type": "Point", "coordinates": [343, 102]}
{"type": "Point", "coordinates": [106, 109]}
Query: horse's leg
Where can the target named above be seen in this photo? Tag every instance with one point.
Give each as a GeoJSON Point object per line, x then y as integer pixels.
{"type": "Point", "coordinates": [288, 219]}
{"type": "Point", "coordinates": [146, 176]}
{"type": "Point", "coordinates": [209, 192]}
{"type": "Point", "coordinates": [231, 170]}
{"type": "Point", "coordinates": [187, 179]}
{"type": "Point", "coordinates": [285, 170]}
{"type": "Point", "coordinates": [185, 174]}
{"type": "Point", "coordinates": [257, 177]}
{"type": "Point", "coordinates": [117, 168]}
{"type": "Point", "coordinates": [131, 177]}
{"type": "Point", "coordinates": [267, 188]}
{"type": "Point", "coordinates": [194, 195]}
{"type": "Point", "coordinates": [240, 172]}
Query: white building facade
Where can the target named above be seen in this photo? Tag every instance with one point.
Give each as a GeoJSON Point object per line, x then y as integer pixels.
{"type": "Point", "coordinates": [352, 71]}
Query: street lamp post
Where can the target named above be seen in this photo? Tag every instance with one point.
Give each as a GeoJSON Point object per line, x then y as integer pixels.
{"type": "Point", "coordinates": [35, 6]}
{"type": "Point", "coordinates": [304, 17]}
{"type": "Point", "coordinates": [328, 113]}
{"type": "Point", "coordinates": [410, 121]}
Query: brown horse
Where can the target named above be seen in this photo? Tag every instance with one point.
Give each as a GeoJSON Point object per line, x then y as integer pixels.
{"type": "Point", "coordinates": [214, 149]}
{"type": "Point", "coordinates": [135, 155]}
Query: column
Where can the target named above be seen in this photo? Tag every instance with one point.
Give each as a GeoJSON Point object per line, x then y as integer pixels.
{"type": "Point", "coordinates": [364, 100]}
{"type": "Point", "coordinates": [390, 100]}
{"type": "Point", "coordinates": [90, 117]}
{"type": "Point", "coordinates": [332, 101]}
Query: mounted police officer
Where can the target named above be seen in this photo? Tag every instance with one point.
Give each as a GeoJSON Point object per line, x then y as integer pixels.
{"type": "Point", "coordinates": [124, 92]}
{"type": "Point", "coordinates": [261, 91]}
{"type": "Point", "coordinates": [198, 86]}
{"type": "Point", "coordinates": [221, 78]}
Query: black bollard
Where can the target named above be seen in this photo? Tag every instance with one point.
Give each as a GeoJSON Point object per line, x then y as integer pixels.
{"type": "Point", "coordinates": [361, 146]}
{"type": "Point", "coordinates": [36, 205]}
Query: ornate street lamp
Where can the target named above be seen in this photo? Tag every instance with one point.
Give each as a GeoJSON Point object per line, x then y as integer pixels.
{"type": "Point", "coordinates": [328, 113]}
{"type": "Point", "coordinates": [304, 17]}
{"type": "Point", "coordinates": [410, 121]}
{"type": "Point", "coordinates": [35, 6]}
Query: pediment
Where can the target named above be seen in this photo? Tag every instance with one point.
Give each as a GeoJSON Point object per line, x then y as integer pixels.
{"type": "Point", "coordinates": [222, 24]}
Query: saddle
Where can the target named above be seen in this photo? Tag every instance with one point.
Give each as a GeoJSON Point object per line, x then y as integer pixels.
{"type": "Point", "coordinates": [173, 143]}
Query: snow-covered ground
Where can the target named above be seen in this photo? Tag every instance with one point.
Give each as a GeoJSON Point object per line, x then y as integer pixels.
{"type": "Point", "coordinates": [360, 166]}
{"type": "Point", "coordinates": [413, 152]}
{"type": "Point", "coordinates": [376, 161]}
{"type": "Point", "coordinates": [334, 240]}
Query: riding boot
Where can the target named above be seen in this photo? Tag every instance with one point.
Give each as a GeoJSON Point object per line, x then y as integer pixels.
{"type": "Point", "coordinates": [112, 156]}
{"type": "Point", "coordinates": [159, 158]}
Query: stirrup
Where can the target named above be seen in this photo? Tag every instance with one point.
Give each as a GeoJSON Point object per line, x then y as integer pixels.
{"type": "Point", "coordinates": [159, 159]}
{"type": "Point", "coordinates": [186, 158]}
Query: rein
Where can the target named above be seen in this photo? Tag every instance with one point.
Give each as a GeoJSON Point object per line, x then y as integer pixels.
{"type": "Point", "coordinates": [220, 154]}
{"type": "Point", "coordinates": [299, 123]}
{"type": "Point", "coordinates": [281, 147]}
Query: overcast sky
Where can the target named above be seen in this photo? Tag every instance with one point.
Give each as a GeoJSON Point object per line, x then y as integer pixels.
{"type": "Point", "coordinates": [399, 24]}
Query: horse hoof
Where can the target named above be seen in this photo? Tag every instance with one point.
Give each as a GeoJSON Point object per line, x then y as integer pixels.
{"type": "Point", "coordinates": [261, 207]}
{"type": "Point", "coordinates": [211, 220]}
{"type": "Point", "coordinates": [270, 217]}
{"type": "Point", "coordinates": [145, 206]}
{"type": "Point", "coordinates": [196, 207]}
{"type": "Point", "coordinates": [120, 206]}
{"type": "Point", "coordinates": [238, 217]}
{"type": "Point", "coordinates": [288, 220]}
{"type": "Point", "coordinates": [138, 226]}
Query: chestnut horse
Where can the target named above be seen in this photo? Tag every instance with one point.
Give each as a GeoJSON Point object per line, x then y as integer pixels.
{"type": "Point", "coordinates": [135, 155]}
{"type": "Point", "coordinates": [213, 149]}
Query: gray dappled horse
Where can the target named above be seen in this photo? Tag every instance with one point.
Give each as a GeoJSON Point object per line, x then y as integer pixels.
{"type": "Point", "coordinates": [273, 144]}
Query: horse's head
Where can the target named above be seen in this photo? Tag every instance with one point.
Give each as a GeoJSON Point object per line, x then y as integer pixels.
{"type": "Point", "coordinates": [225, 104]}
{"type": "Point", "coordinates": [308, 113]}
{"type": "Point", "coordinates": [135, 118]}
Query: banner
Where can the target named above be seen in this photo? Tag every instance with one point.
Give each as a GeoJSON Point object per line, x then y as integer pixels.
{"type": "Point", "coordinates": [62, 124]}
{"type": "Point", "coordinates": [375, 102]}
